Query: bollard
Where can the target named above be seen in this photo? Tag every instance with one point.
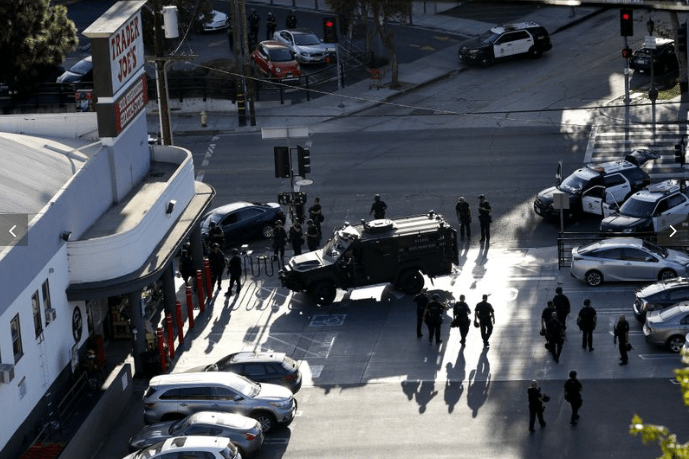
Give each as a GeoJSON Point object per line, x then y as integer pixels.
{"type": "Point", "coordinates": [161, 349]}
{"type": "Point", "coordinates": [209, 278]}
{"type": "Point", "coordinates": [190, 307]}
{"type": "Point", "coordinates": [180, 322]}
{"type": "Point", "coordinates": [204, 119]}
{"type": "Point", "coordinates": [199, 290]}
{"type": "Point", "coordinates": [170, 335]}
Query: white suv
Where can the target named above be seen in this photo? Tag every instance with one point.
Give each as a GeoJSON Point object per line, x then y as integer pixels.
{"type": "Point", "coordinates": [651, 210]}
{"type": "Point", "coordinates": [191, 447]}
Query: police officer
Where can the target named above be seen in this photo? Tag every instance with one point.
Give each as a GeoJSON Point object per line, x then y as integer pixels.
{"type": "Point", "coordinates": [555, 336]}
{"type": "Point", "coordinates": [421, 300]}
{"type": "Point", "coordinates": [378, 207]}
{"type": "Point", "coordinates": [484, 316]}
{"type": "Point", "coordinates": [271, 25]}
{"type": "Point", "coordinates": [573, 395]}
{"type": "Point", "coordinates": [586, 320]}
{"type": "Point", "coordinates": [434, 318]}
{"type": "Point", "coordinates": [461, 312]}
{"type": "Point", "coordinates": [535, 405]}
{"type": "Point", "coordinates": [234, 270]}
{"type": "Point", "coordinates": [279, 240]}
{"type": "Point", "coordinates": [254, 21]}
{"type": "Point", "coordinates": [291, 21]}
{"type": "Point", "coordinates": [316, 214]}
{"type": "Point", "coordinates": [216, 261]}
{"type": "Point", "coordinates": [546, 315]}
{"type": "Point", "coordinates": [562, 306]}
{"type": "Point", "coordinates": [621, 336]}
{"type": "Point", "coordinates": [296, 236]}
{"type": "Point", "coordinates": [484, 217]}
{"type": "Point", "coordinates": [216, 235]}
{"type": "Point", "coordinates": [312, 236]}
{"type": "Point", "coordinates": [463, 211]}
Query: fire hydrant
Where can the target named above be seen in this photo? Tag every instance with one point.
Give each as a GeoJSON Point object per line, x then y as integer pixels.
{"type": "Point", "coordinates": [204, 119]}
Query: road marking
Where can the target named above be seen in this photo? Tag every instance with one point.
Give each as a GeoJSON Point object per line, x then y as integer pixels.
{"type": "Point", "coordinates": [658, 356]}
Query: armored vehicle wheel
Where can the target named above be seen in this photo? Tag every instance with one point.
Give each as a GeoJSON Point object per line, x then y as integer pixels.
{"type": "Point", "coordinates": [323, 293]}
{"type": "Point", "coordinates": [411, 281]}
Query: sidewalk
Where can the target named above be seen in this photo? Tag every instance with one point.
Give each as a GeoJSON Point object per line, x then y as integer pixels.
{"type": "Point", "coordinates": [359, 96]}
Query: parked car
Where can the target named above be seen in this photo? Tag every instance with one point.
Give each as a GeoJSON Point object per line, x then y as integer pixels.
{"type": "Point", "coordinates": [660, 295]}
{"type": "Point", "coordinates": [505, 41]}
{"type": "Point", "coordinates": [262, 367]}
{"type": "Point", "coordinates": [618, 180]}
{"type": "Point", "coordinates": [626, 259]}
{"type": "Point", "coordinates": [668, 327]}
{"type": "Point", "coordinates": [243, 221]}
{"type": "Point", "coordinates": [306, 47]}
{"type": "Point", "coordinates": [664, 58]}
{"type": "Point", "coordinates": [653, 209]}
{"type": "Point", "coordinates": [244, 433]}
{"type": "Point", "coordinates": [275, 61]}
{"type": "Point", "coordinates": [190, 447]}
{"type": "Point", "coordinates": [81, 72]}
{"type": "Point", "coordinates": [174, 396]}
{"type": "Point", "coordinates": [214, 21]}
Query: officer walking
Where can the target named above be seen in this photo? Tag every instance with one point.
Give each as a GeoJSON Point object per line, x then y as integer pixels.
{"type": "Point", "coordinates": [434, 318]}
{"type": "Point", "coordinates": [296, 236]}
{"type": "Point", "coordinates": [316, 214]}
{"type": "Point", "coordinates": [216, 261]}
{"type": "Point", "coordinates": [461, 313]}
{"type": "Point", "coordinates": [484, 217]}
{"type": "Point", "coordinates": [621, 336]}
{"type": "Point", "coordinates": [312, 236]}
{"type": "Point", "coordinates": [546, 315]}
{"type": "Point", "coordinates": [562, 306]}
{"type": "Point", "coordinates": [378, 207]}
{"type": "Point", "coordinates": [291, 21]}
{"type": "Point", "coordinates": [234, 270]}
{"type": "Point", "coordinates": [573, 396]}
{"type": "Point", "coordinates": [555, 336]}
{"type": "Point", "coordinates": [463, 211]}
{"type": "Point", "coordinates": [535, 405]}
{"type": "Point", "coordinates": [271, 25]}
{"type": "Point", "coordinates": [421, 300]}
{"type": "Point", "coordinates": [279, 240]}
{"type": "Point", "coordinates": [484, 317]}
{"type": "Point", "coordinates": [586, 320]}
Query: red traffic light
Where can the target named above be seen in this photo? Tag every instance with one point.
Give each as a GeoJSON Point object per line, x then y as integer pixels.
{"type": "Point", "coordinates": [626, 16]}
{"type": "Point", "coordinates": [329, 23]}
{"type": "Point", "coordinates": [626, 53]}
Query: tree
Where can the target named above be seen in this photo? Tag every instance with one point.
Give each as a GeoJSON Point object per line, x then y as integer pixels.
{"type": "Point", "coordinates": [34, 36]}
{"type": "Point", "coordinates": [666, 440]}
{"type": "Point", "coordinates": [681, 55]}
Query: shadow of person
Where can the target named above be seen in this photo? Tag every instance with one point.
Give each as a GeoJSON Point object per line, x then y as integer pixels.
{"type": "Point", "coordinates": [410, 388]}
{"type": "Point", "coordinates": [454, 385]}
{"type": "Point", "coordinates": [479, 383]}
{"type": "Point", "coordinates": [425, 394]}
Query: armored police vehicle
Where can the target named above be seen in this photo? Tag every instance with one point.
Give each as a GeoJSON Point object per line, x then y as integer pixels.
{"type": "Point", "coordinates": [398, 251]}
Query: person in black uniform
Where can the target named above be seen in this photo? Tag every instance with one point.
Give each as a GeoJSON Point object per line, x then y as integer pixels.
{"type": "Point", "coordinates": [535, 405]}
{"type": "Point", "coordinates": [216, 235]}
{"type": "Point", "coordinates": [271, 25]}
{"type": "Point", "coordinates": [421, 300]}
{"type": "Point", "coordinates": [554, 335]}
{"type": "Point", "coordinates": [586, 320]}
{"type": "Point", "coordinates": [463, 211]}
{"type": "Point", "coordinates": [186, 266]}
{"type": "Point", "coordinates": [216, 261]}
{"type": "Point", "coordinates": [484, 316]}
{"type": "Point", "coordinates": [254, 22]}
{"type": "Point", "coordinates": [461, 313]}
{"type": "Point", "coordinates": [434, 318]}
{"type": "Point", "coordinates": [291, 21]}
{"type": "Point", "coordinates": [546, 315]}
{"type": "Point", "coordinates": [378, 207]}
{"type": "Point", "coordinates": [296, 236]}
{"type": "Point", "coordinates": [484, 217]}
{"type": "Point", "coordinates": [316, 214]}
{"type": "Point", "coordinates": [573, 395]}
{"type": "Point", "coordinates": [312, 236]}
{"type": "Point", "coordinates": [279, 240]}
{"type": "Point", "coordinates": [234, 270]}
{"type": "Point", "coordinates": [621, 337]}
{"type": "Point", "coordinates": [562, 306]}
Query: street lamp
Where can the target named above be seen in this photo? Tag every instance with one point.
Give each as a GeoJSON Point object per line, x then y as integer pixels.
{"type": "Point", "coordinates": [652, 91]}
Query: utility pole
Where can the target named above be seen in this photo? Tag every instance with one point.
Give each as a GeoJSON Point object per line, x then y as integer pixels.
{"type": "Point", "coordinates": [161, 76]}
{"type": "Point", "coordinates": [247, 69]}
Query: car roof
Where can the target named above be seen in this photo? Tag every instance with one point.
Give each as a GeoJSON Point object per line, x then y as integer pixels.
{"type": "Point", "coordinates": [273, 44]}
{"type": "Point", "coordinates": [516, 26]}
{"type": "Point", "coordinates": [656, 287]}
{"type": "Point", "coordinates": [610, 167]}
{"type": "Point", "coordinates": [241, 357]}
{"type": "Point", "coordinates": [191, 442]}
{"type": "Point", "coordinates": [220, 418]}
{"type": "Point", "coordinates": [616, 242]}
{"type": "Point", "coordinates": [301, 31]}
{"type": "Point", "coordinates": [656, 191]}
{"type": "Point", "coordinates": [180, 379]}
{"type": "Point", "coordinates": [680, 308]}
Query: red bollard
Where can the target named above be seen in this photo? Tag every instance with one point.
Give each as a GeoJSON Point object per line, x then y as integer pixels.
{"type": "Point", "coordinates": [190, 307]}
{"type": "Point", "coordinates": [170, 335]}
{"type": "Point", "coordinates": [161, 349]}
{"type": "Point", "coordinates": [199, 290]}
{"type": "Point", "coordinates": [209, 278]}
{"type": "Point", "coordinates": [180, 323]}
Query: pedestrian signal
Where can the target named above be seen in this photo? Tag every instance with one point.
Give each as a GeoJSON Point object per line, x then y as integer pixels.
{"type": "Point", "coordinates": [329, 30]}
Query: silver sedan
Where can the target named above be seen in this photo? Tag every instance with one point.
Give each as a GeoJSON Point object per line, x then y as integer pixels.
{"type": "Point", "coordinates": [626, 259]}
{"type": "Point", "coordinates": [668, 327]}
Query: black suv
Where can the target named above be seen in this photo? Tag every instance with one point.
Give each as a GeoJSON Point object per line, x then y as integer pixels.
{"type": "Point", "coordinates": [660, 295]}
{"type": "Point", "coordinates": [505, 41]}
{"type": "Point", "coordinates": [664, 58]}
{"type": "Point", "coordinates": [262, 367]}
{"type": "Point", "coordinates": [619, 179]}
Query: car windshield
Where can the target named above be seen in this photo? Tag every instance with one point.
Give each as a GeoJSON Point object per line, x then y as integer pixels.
{"type": "Point", "coordinates": [637, 208]}
{"type": "Point", "coordinates": [151, 451]}
{"type": "Point", "coordinates": [489, 37]}
{"type": "Point", "coordinates": [669, 313]}
{"type": "Point", "coordinates": [577, 181]}
{"type": "Point", "coordinates": [335, 247]}
{"type": "Point", "coordinates": [178, 426]}
{"type": "Point", "coordinates": [660, 251]}
{"type": "Point", "coordinates": [306, 39]}
{"type": "Point", "coordinates": [245, 386]}
{"type": "Point", "coordinates": [280, 55]}
{"type": "Point", "coordinates": [82, 67]}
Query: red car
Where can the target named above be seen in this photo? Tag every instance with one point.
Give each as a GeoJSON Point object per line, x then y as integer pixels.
{"type": "Point", "coordinates": [275, 61]}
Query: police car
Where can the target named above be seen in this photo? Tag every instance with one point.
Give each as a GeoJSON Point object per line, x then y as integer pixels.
{"type": "Point", "coordinates": [651, 210]}
{"type": "Point", "coordinates": [504, 41]}
{"type": "Point", "coordinates": [597, 189]}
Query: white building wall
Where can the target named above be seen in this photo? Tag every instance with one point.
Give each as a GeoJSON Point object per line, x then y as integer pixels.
{"type": "Point", "coordinates": [43, 357]}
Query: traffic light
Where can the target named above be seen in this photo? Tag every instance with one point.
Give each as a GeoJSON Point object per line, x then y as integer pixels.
{"type": "Point", "coordinates": [679, 154]}
{"type": "Point", "coordinates": [626, 53]}
{"type": "Point", "coordinates": [329, 30]}
{"type": "Point", "coordinates": [303, 160]}
{"type": "Point", "coordinates": [282, 169]}
{"type": "Point", "coordinates": [626, 23]}
{"type": "Point", "coordinates": [682, 38]}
